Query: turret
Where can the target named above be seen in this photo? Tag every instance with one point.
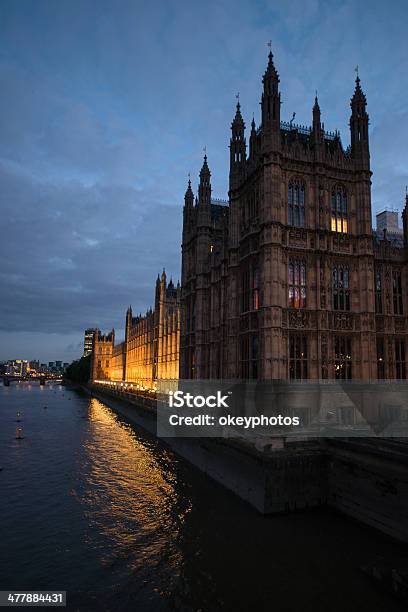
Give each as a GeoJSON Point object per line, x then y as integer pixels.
{"type": "Point", "coordinates": [270, 104]}
{"type": "Point", "coordinates": [237, 145]}
{"type": "Point", "coordinates": [204, 196]}
{"type": "Point", "coordinates": [252, 140]}
{"type": "Point", "coordinates": [317, 126]}
{"type": "Point", "coordinates": [204, 188]}
{"type": "Point", "coordinates": [129, 317]}
{"type": "Point", "coordinates": [188, 211]}
{"type": "Point", "coordinates": [359, 126]}
{"type": "Point", "coordinates": [189, 196]}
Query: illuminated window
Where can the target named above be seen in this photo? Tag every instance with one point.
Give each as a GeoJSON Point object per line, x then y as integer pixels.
{"type": "Point", "coordinates": [250, 292]}
{"type": "Point", "coordinates": [297, 284]}
{"type": "Point", "coordinates": [296, 204]}
{"type": "Point", "coordinates": [342, 358]}
{"type": "Point", "coordinates": [339, 214]}
{"type": "Point", "coordinates": [297, 357]}
{"type": "Point", "coordinates": [341, 288]}
{"type": "Point", "coordinates": [255, 288]}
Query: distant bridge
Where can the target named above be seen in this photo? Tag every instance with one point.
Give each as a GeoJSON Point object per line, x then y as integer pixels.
{"type": "Point", "coordinates": [41, 379]}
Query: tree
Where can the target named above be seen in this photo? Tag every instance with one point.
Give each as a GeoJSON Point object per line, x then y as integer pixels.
{"type": "Point", "coordinates": [79, 371]}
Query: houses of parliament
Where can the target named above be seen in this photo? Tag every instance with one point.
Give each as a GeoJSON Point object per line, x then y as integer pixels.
{"type": "Point", "coordinates": [286, 280]}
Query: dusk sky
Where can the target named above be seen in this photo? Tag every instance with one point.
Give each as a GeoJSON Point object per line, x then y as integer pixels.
{"type": "Point", "coordinates": [106, 106]}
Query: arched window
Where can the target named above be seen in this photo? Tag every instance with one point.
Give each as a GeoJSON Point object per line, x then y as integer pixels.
{"type": "Point", "coordinates": [339, 212]}
{"type": "Point", "coordinates": [297, 284]}
{"type": "Point", "coordinates": [296, 203]}
{"type": "Point", "coordinates": [341, 287]}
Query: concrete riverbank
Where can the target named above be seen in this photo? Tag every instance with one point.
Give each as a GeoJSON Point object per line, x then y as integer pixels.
{"type": "Point", "coordinates": [365, 479]}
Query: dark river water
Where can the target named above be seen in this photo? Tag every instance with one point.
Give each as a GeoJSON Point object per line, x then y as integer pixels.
{"type": "Point", "coordinates": [91, 505]}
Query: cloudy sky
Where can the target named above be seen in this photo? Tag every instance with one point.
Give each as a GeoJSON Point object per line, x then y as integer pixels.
{"type": "Point", "coordinates": [106, 106]}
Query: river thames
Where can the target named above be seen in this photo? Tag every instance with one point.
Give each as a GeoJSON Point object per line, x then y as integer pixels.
{"type": "Point", "coordinates": [93, 506]}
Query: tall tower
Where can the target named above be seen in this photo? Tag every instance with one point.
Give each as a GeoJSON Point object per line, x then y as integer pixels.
{"type": "Point", "coordinates": [204, 188]}
{"type": "Point", "coordinates": [237, 149]}
{"type": "Point", "coordinates": [237, 171]}
{"type": "Point", "coordinates": [270, 104]}
{"type": "Point", "coordinates": [252, 140]}
{"type": "Point", "coordinates": [361, 156]}
{"type": "Point", "coordinates": [128, 323]}
{"type": "Point", "coordinates": [317, 126]}
{"type": "Point", "coordinates": [188, 211]}
{"type": "Point", "coordinates": [359, 127]}
{"type": "Point", "coordinates": [203, 249]}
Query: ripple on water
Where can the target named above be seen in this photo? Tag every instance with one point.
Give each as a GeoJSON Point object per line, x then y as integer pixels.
{"type": "Point", "coordinates": [90, 505]}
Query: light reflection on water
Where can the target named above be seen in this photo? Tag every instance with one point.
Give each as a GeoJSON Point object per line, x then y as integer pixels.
{"type": "Point", "coordinates": [121, 473]}
{"type": "Point", "coordinates": [90, 505]}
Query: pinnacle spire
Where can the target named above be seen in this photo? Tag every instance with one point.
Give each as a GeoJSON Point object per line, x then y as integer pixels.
{"type": "Point", "coordinates": [189, 196]}
{"type": "Point", "coordinates": [204, 188]}
{"type": "Point", "coordinates": [189, 190]}
{"type": "Point", "coordinates": [238, 120]}
{"type": "Point", "coordinates": [358, 96]}
{"type": "Point", "coordinates": [270, 69]}
{"type": "Point", "coordinates": [205, 171]}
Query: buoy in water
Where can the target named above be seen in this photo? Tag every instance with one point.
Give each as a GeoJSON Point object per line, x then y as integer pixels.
{"type": "Point", "coordinates": [19, 433]}
{"type": "Point", "coordinates": [18, 417]}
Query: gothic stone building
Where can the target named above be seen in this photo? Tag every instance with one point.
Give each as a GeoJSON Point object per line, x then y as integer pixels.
{"type": "Point", "coordinates": [289, 280]}
{"type": "Point", "coordinates": [151, 347]}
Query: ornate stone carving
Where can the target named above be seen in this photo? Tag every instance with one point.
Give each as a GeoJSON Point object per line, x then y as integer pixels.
{"type": "Point", "coordinates": [298, 319]}
{"type": "Point", "coordinates": [322, 286]}
{"type": "Point", "coordinates": [341, 242]}
{"type": "Point", "coordinates": [298, 237]}
{"type": "Point", "coordinates": [342, 320]}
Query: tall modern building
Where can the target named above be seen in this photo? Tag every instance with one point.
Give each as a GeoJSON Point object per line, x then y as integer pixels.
{"type": "Point", "coordinates": [88, 341]}
{"type": "Point", "coordinates": [289, 280]}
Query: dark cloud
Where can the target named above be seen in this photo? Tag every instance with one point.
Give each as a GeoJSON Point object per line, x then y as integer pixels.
{"type": "Point", "coordinates": [105, 109]}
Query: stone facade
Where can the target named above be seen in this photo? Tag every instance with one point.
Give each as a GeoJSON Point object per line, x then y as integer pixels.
{"type": "Point", "coordinates": [151, 347]}
{"type": "Point", "coordinates": [289, 280]}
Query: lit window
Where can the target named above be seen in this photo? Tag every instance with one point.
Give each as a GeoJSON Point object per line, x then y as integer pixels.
{"type": "Point", "coordinates": [339, 213]}
{"type": "Point", "coordinates": [255, 288]}
{"type": "Point", "coordinates": [297, 284]}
